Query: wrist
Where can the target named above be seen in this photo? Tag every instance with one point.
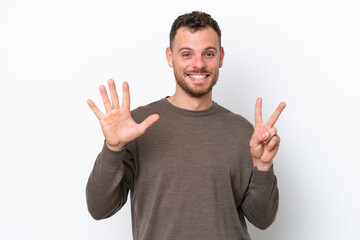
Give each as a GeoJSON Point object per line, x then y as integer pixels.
{"type": "Point", "coordinates": [262, 166]}
{"type": "Point", "coordinates": [116, 148]}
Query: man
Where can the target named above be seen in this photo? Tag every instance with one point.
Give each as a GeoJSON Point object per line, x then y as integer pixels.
{"type": "Point", "coordinates": [192, 174]}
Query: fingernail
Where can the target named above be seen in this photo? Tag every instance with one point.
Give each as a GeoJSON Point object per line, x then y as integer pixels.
{"type": "Point", "coordinates": [265, 135]}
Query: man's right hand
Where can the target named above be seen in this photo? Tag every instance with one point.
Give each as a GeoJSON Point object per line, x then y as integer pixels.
{"type": "Point", "coordinates": [118, 127]}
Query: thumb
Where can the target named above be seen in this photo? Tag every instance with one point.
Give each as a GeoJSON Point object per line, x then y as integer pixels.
{"type": "Point", "coordinates": [263, 136]}
{"type": "Point", "coordinates": [259, 137]}
{"type": "Point", "coordinates": [148, 122]}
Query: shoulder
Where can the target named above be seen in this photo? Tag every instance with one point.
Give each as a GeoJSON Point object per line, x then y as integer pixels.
{"type": "Point", "coordinates": [234, 120]}
{"type": "Point", "coordinates": [142, 112]}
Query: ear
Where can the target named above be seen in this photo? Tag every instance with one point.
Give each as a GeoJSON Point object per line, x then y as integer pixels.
{"type": "Point", "coordinates": [222, 54]}
{"type": "Point", "coordinates": [169, 57]}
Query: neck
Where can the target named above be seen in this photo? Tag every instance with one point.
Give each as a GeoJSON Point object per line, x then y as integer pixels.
{"type": "Point", "coordinates": [182, 100]}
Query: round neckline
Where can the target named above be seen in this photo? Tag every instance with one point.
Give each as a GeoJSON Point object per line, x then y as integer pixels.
{"type": "Point", "coordinates": [187, 112]}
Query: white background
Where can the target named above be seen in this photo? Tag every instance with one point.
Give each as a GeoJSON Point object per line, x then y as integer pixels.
{"type": "Point", "coordinates": [55, 54]}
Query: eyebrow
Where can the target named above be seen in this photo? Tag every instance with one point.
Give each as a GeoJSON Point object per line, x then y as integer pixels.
{"type": "Point", "coordinates": [190, 49]}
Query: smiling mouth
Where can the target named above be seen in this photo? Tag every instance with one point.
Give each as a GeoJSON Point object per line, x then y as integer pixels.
{"type": "Point", "coordinates": [198, 76]}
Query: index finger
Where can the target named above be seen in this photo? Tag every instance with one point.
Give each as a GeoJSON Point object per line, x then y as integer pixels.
{"type": "Point", "coordinates": [258, 114]}
{"type": "Point", "coordinates": [274, 117]}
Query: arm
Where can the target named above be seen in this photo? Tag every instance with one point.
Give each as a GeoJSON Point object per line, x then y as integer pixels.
{"type": "Point", "coordinates": [109, 183]}
{"type": "Point", "coordinates": [262, 197]}
{"type": "Point", "coordinates": [113, 173]}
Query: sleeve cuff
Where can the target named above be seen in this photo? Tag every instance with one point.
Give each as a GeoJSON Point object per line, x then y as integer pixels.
{"type": "Point", "coordinates": [112, 158]}
{"type": "Point", "coordinates": [263, 177]}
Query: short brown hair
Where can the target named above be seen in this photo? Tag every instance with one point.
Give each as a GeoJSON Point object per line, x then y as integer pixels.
{"type": "Point", "coordinates": [195, 20]}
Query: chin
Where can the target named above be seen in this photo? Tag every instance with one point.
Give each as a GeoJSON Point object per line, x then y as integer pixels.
{"type": "Point", "coordinates": [198, 91]}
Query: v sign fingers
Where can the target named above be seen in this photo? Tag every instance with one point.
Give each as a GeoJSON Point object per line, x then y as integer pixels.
{"type": "Point", "coordinates": [258, 112]}
{"type": "Point", "coordinates": [264, 142]}
{"type": "Point", "coordinates": [274, 117]}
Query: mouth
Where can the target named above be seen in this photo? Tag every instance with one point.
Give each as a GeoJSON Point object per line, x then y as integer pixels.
{"type": "Point", "coordinates": [198, 78]}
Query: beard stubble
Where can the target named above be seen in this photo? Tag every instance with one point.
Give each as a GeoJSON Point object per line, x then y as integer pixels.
{"type": "Point", "coordinates": [199, 90]}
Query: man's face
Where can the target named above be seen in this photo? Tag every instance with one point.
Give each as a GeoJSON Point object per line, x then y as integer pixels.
{"type": "Point", "coordinates": [196, 58]}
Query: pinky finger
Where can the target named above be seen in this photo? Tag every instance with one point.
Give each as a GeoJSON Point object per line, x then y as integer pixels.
{"type": "Point", "coordinates": [95, 110]}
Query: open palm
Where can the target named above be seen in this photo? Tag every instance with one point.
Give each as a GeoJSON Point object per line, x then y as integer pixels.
{"type": "Point", "coordinates": [117, 125]}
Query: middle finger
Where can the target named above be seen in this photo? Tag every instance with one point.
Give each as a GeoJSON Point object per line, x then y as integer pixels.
{"type": "Point", "coordinates": [274, 117]}
{"type": "Point", "coordinates": [105, 98]}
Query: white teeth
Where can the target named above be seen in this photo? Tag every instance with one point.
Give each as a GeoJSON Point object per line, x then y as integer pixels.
{"type": "Point", "coordinates": [197, 76]}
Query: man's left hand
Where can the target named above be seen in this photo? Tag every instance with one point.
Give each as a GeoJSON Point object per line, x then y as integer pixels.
{"type": "Point", "coordinates": [265, 142]}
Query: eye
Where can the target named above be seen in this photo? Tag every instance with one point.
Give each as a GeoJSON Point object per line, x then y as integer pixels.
{"type": "Point", "coordinates": [210, 54]}
{"type": "Point", "coordinates": [186, 55]}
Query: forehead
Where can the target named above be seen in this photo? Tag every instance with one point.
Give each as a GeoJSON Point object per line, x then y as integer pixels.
{"type": "Point", "coordinates": [202, 38]}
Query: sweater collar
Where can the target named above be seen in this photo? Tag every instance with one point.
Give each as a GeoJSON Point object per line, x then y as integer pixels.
{"type": "Point", "coordinates": [182, 111]}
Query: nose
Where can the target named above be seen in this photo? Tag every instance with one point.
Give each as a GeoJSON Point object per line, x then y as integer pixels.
{"type": "Point", "coordinates": [199, 62]}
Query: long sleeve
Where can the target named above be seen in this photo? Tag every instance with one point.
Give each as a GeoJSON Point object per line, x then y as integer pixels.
{"type": "Point", "coordinates": [191, 172]}
{"type": "Point", "coordinates": [262, 199]}
{"type": "Point", "coordinates": [109, 183]}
